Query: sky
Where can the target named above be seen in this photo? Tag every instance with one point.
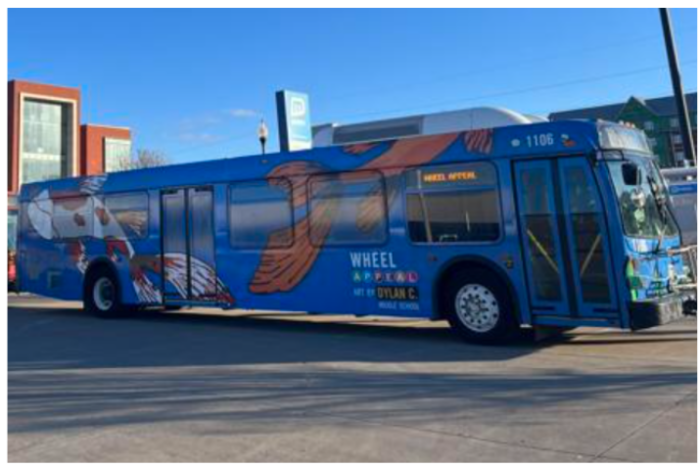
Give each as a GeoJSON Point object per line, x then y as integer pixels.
{"type": "Point", "coordinates": [194, 84]}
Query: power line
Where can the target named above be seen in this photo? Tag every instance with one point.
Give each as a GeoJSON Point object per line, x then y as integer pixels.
{"type": "Point", "coordinates": [517, 91]}
{"type": "Point", "coordinates": [454, 101]}
{"type": "Point", "coordinates": [500, 67]}
{"type": "Point", "coordinates": [549, 111]}
{"type": "Point", "coordinates": [219, 142]}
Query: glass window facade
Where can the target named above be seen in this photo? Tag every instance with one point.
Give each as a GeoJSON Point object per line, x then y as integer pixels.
{"type": "Point", "coordinates": [47, 140]}
{"type": "Point", "coordinates": [117, 154]}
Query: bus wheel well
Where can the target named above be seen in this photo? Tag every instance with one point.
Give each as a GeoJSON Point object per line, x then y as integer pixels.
{"type": "Point", "coordinates": [99, 266]}
{"type": "Point", "coordinates": [470, 264]}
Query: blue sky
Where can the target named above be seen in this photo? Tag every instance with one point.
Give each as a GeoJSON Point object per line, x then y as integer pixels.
{"type": "Point", "coordinates": [194, 83]}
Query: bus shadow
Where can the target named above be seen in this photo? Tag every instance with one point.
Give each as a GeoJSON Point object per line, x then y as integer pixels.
{"type": "Point", "coordinates": [194, 338]}
{"type": "Point", "coordinates": [259, 400]}
{"type": "Point", "coordinates": [240, 338]}
{"type": "Point", "coordinates": [265, 372]}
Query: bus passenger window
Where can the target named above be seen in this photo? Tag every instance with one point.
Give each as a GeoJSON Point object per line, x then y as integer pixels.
{"type": "Point", "coordinates": [72, 217]}
{"type": "Point", "coordinates": [453, 216]}
{"type": "Point", "coordinates": [130, 212]}
{"type": "Point", "coordinates": [348, 209]}
{"type": "Point", "coordinates": [261, 214]}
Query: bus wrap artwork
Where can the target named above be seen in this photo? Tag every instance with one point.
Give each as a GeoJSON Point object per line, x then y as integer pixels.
{"type": "Point", "coordinates": [277, 273]}
{"type": "Point", "coordinates": [205, 280]}
{"type": "Point", "coordinates": [494, 229]}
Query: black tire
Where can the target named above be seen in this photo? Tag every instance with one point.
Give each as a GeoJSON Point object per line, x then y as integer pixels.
{"type": "Point", "coordinates": [103, 303]}
{"type": "Point", "coordinates": [487, 311]}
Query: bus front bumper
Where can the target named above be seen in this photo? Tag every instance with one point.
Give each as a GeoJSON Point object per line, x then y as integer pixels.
{"type": "Point", "coordinates": [691, 307]}
{"type": "Point", "coordinates": [660, 311]}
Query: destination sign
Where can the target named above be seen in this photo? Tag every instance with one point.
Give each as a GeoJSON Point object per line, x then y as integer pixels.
{"type": "Point", "coordinates": [466, 174]}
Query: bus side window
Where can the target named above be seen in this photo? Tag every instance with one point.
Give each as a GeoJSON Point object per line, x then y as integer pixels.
{"type": "Point", "coordinates": [130, 213]}
{"type": "Point", "coordinates": [348, 209]}
{"type": "Point", "coordinates": [453, 204]}
{"type": "Point", "coordinates": [72, 217]}
{"type": "Point", "coordinates": [261, 214]}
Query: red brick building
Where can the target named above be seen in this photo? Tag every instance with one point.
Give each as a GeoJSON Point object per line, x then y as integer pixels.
{"type": "Point", "coordinates": [104, 149]}
{"type": "Point", "coordinates": [46, 140]}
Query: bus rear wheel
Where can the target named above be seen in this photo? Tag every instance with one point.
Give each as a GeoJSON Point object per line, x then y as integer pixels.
{"type": "Point", "coordinates": [101, 296]}
{"type": "Point", "coordinates": [479, 307]}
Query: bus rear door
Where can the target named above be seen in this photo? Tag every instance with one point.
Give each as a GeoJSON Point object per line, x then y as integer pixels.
{"type": "Point", "coordinates": [188, 248]}
{"type": "Point", "coordinates": [565, 243]}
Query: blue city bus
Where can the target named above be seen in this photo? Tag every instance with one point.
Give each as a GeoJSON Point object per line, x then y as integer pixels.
{"type": "Point", "coordinates": [497, 230]}
{"type": "Point", "coordinates": [684, 189]}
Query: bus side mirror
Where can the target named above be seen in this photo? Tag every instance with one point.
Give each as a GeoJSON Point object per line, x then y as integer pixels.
{"type": "Point", "coordinates": [631, 174]}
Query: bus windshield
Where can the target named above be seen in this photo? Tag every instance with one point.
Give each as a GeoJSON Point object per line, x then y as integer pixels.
{"type": "Point", "coordinates": [644, 208]}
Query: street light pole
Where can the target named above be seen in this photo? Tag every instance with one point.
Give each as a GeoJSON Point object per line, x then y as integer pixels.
{"type": "Point", "coordinates": [682, 113]}
{"type": "Point", "coordinates": [263, 134]}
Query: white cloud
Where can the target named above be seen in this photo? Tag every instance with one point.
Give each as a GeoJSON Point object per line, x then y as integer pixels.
{"type": "Point", "coordinates": [210, 127]}
{"type": "Point", "coordinates": [242, 113]}
{"type": "Point", "coordinates": [199, 137]}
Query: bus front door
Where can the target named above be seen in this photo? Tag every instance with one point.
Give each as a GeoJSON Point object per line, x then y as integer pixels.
{"type": "Point", "coordinates": [565, 243]}
{"type": "Point", "coordinates": [188, 250]}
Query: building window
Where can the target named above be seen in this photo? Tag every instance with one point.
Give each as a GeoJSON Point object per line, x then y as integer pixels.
{"type": "Point", "coordinates": [677, 139]}
{"type": "Point", "coordinates": [117, 154]}
{"type": "Point", "coordinates": [649, 126]}
{"type": "Point", "coordinates": [653, 142]}
{"type": "Point", "coordinates": [47, 133]}
{"type": "Point", "coordinates": [260, 214]}
{"type": "Point", "coordinates": [674, 122]}
{"type": "Point", "coordinates": [348, 209]}
{"type": "Point", "coordinates": [10, 231]}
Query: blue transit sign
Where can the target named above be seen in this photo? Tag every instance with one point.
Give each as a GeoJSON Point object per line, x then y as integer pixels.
{"type": "Point", "coordinates": [294, 118]}
{"type": "Point", "coordinates": [684, 188]}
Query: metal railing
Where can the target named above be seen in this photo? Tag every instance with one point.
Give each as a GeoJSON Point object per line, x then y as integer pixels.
{"type": "Point", "coordinates": [689, 257]}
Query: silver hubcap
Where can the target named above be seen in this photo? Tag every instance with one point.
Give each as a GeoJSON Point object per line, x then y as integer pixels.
{"type": "Point", "coordinates": [103, 294]}
{"type": "Point", "coordinates": [477, 308]}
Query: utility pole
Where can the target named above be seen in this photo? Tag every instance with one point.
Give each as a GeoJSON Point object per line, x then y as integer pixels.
{"type": "Point", "coordinates": [682, 113]}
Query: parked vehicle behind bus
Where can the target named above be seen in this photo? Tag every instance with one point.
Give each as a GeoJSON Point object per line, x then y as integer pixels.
{"type": "Point", "coordinates": [682, 184]}
{"type": "Point", "coordinates": [12, 215]}
{"type": "Point", "coordinates": [11, 271]}
{"type": "Point", "coordinates": [559, 224]}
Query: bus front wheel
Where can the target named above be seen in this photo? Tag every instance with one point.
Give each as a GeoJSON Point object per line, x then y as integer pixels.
{"type": "Point", "coordinates": [479, 307]}
{"type": "Point", "coordinates": [101, 296]}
